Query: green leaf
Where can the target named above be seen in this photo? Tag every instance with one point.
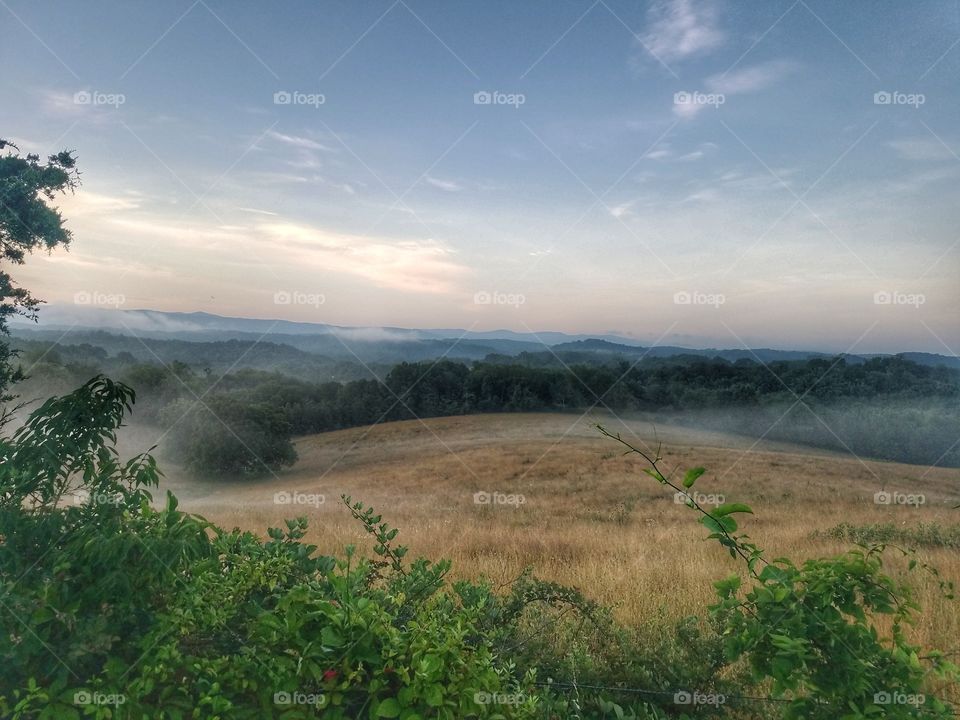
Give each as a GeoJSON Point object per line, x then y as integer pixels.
{"type": "Point", "coordinates": [655, 474]}
{"type": "Point", "coordinates": [719, 524]}
{"type": "Point", "coordinates": [388, 708]}
{"type": "Point", "coordinates": [691, 477]}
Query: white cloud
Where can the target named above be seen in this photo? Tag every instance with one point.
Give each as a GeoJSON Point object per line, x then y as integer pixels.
{"type": "Point", "coordinates": [298, 141]}
{"type": "Point", "coordinates": [447, 185]}
{"type": "Point", "coordinates": [423, 266]}
{"type": "Point", "coordinates": [92, 203]}
{"type": "Point", "coordinates": [921, 148]}
{"type": "Point", "coordinates": [678, 29]}
{"type": "Point", "coordinates": [751, 79]}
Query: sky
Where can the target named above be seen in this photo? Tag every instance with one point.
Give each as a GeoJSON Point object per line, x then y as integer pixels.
{"type": "Point", "coordinates": [706, 173]}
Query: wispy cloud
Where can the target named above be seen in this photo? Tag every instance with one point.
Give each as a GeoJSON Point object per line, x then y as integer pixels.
{"type": "Point", "coordinates": [678, 29]}
{"type": "Point", "coordinates": [751, 79]}
{"type": "Point", "coordinates": [447, 185]}
{"type": "Point", "coordinates": [921, 149]}
{"type": "Point", "coordinates": [299, 141]}
{"type": "Point", "coordinates": [423, 266]}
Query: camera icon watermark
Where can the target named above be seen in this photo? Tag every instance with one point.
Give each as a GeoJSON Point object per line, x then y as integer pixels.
{"type": "Point", "coordinates": [298, 498]}
{"type": "Point", "coordinates": [898, 698]}
{"type": "Point", "coordinates": [691, 497]}
{"type": "Point", "coordinates": [892, 497]}
{"type": "Point", "coordinates": [685, 297]}
{"type": "Point", "coordinates": [85, 497]}
{"type": "Point", "coordinates": [296, 297]}
{"type": "Point", "coordinates": [497, 698]}
{"type": "Point", "coordinates": [684, 97]}
{"type": "Point", "coordinates": [498, 498]}
{"type": "Point", "coordinates": [884, 97]}
{"type": "Point", "coordinates": [484, 297]}
{"type": "Point", "coordinates": [694, 697]}
{"type": "Point", "coordinates": [299, 698]}
{"type": "Point", "coordinates": [95, 297]}
{"type": "Point", "coordinates": [87, 697]}
{"type": "Point", "coordinates": [295, 97]}
{"type": "Point", "coordinates": [97, 98]}
{"type": "Point", "coordinates": [495, 97]}
{"type": "Point", "coordinates": [885, 297]}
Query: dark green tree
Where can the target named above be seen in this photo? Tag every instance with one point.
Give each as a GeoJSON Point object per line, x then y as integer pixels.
{"type": "Point", "coordinates": [28, 222]}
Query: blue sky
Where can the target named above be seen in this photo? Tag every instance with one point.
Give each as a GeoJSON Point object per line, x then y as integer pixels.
{"type": "Point", "coordinates": [685, 172]}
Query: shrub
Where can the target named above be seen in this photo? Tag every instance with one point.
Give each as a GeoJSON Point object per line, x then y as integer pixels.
{"type": "Point", "coordinates": [224, 436]}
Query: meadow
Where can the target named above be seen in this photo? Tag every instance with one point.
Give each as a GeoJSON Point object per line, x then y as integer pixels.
{"type": "Point", "coordinates": [588, 516]}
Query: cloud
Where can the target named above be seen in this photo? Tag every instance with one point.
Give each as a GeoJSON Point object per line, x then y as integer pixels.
{"type": "Point", "coordinates": [298, 141]}
{"type": "Point", "coordinates": [255, 210]}
{"type": "Point", "coordinates": [678, 29]}
{"type": "Point", "coordinates": [447, 185]}
{"type": "Point", "coordinates": [92, 203]}
{"type": "Point", "coordinates": [687, 111]}
{"type": "Point", "coordinates": [751, 79]}
{"type": "Point", "coordinates": [921, 149]}
{"type": "Point", "coordinates": [423, 266]}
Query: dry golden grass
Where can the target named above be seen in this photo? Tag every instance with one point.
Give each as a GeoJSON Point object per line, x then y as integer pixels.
{"type": "Point", "coordinates": [590, 517]}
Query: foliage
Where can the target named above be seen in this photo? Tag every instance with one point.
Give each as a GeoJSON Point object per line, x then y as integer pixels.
{"type": "Point", "coordinates": [27, 223]}
{"type": "Point", "coordinates": [889, 408]}
{"type": "Point", "coordinates": [161, 614]}
{"type": "Point", "coordinates": [220, 436]}
{"type": "Point", "coordinates": [814, 631]}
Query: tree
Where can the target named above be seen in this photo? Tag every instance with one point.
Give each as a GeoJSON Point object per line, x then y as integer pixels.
{"type": "Point", "coordinates": [27, 223]}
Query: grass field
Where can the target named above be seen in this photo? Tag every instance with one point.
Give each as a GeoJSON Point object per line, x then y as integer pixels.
{"type": "Point", "coordinates": [589, 517]}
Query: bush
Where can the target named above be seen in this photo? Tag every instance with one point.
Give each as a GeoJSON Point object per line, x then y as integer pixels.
{"type": "Point", "coordinates": [223, 436]}
{"type": "Point", "coordinates": [112, 607]}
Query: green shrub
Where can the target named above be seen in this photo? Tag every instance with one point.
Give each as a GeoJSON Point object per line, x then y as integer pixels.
{"type": "Point", "coordinates": [223, 436]}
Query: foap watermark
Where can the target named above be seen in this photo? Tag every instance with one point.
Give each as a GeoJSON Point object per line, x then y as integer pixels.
{"type": "Point", "coordinates": [684, 97]}
{"type": "Point", "coordinates": [699, 298]}
{"type": "Point", "coordinates": [294, 497]}
{"type": "Point", "coordinates": [95, 297]}
{"type": "Point", "coordinates": [295, 97]}
{"type": "Point", "coordinates": [299, 698]}
{"type": "Point", "coordinates": [495, 97]}
{"type": "Point", "coordinates": [892, 497]}
{"type": "Point", "coordinates": [484, 297]}
{"type": "Point", "coordinates": [695, 697]}
{"type": "Point", "coordinates": [688, 498]}
{"type": "Point", "coordinates": [885, 297]}
{"type": "Point", "coordinates": [88, 697]}
{"type": "Point", "coordinates": [296, 297]}
{"type": "Point", "coordinates": [85, 497]}
{"type": "Point", "coordinates": [95, 97]}
{"type": "Point", "coordinates": [885, 97]}
{"type": "Point", "coordinates": [498, 698]}
{"type": "Point", "coordinates": [899, 698]}
{"type": "Point", "coordinates": [498, 498]}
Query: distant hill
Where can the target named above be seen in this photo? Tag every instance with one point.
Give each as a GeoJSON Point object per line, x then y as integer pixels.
{"type": "Point", "coordinates": [384, 345]}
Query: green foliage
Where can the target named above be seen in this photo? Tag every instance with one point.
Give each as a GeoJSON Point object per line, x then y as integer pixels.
{"type": "Point", "coordinates": [221, 436]}
{"type": "Point", "coordinates": [814, 631]}
{"type": "Point", "coordinates": [114, 606]}
{"type": "Point", "coordinates": [27, 223]}
{"type": "Point", "coordinates": [152, 612]}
